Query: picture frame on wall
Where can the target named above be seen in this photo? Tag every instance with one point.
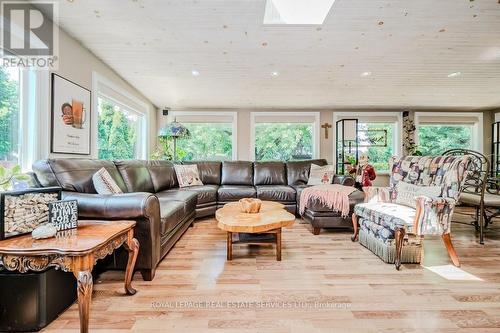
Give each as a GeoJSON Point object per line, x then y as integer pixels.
{"type": "Point", "coordinates": [71, 117]}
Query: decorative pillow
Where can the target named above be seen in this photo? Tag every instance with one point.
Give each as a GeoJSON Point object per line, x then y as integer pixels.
{"type": "Point", "coordinates": [104, 183]}
{"type": "Point", "coordinates": [321, 174]}
{"type": "Point", "coordinates": [187, 175]}
{"type": "Point", "coordinates": [406, 193]}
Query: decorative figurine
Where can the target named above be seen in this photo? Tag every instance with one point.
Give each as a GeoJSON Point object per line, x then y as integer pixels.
{"type": "Point", "coordinates": [364, 172]}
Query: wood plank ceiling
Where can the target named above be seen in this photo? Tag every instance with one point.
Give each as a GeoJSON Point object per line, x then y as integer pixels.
{"type": "Point", "coordinates": [407, 50]}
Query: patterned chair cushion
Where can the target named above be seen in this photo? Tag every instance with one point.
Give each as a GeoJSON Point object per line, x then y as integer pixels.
{"type": "Point", "coordinates": [387, 215]}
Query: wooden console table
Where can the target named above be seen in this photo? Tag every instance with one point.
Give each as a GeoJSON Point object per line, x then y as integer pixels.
{"type": "Point", "coordinates": [76, 251]}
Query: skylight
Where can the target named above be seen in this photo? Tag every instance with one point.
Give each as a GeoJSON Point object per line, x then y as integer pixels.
{"type": "Point", "coordinates": [297, 11]}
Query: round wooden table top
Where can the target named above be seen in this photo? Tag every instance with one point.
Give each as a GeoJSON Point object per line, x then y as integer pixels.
{"type": "Point", "coordinates": [272, 215]}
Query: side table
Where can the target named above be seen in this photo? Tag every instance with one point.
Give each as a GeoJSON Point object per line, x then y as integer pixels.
{"type": "Point", "coordinates": [75, 251]}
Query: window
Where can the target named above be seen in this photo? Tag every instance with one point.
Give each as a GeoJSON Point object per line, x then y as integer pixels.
{"type": "Point", "coordinates": [10, 115]}
{"type": "Point", "coordinates": [213, 135]}
{"type": "Point", "coordinates": [379, 152]}
{"type": "Point", "coordinates": [379, 136]}
{"type": "Point", "coordinates": [285, 135]}
{"type": "Point", "coordinates": [208, 141]}
{"type": "Point", "coordinates": [436, 139]}
{"type": "Point", "coordinates": [439, 132]}
{"type": "Point", "coordinates": [119, 130]}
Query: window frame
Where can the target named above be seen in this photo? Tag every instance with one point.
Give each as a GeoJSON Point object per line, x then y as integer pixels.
{"type": "Point", "coordinates": [477, 139]}
{"type": "Point", "coordinates": [204, 117]}
{"type": "Point", "coordinates": [398, 130]}
{"type": "Point", "coordinates": [139, 107]}
{"type": "Point", "coordinates": [288, 114]}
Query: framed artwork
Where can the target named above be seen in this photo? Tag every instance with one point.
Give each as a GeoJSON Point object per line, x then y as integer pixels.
{"type": "Point", "coordinates": [70, 117]}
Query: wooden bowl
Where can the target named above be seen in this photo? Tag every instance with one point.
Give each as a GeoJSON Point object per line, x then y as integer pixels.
{"type": "Point", "coordinates": [249, 205]}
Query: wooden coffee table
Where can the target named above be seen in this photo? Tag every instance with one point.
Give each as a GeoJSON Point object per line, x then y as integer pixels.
{"type": "Point", "coordinates": [76, 251]}
{"type": "Point", "coordinates": [269, 220]}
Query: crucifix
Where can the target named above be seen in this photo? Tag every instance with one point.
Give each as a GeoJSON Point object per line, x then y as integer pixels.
{"type": "Point", "coordinates": [326, 126]}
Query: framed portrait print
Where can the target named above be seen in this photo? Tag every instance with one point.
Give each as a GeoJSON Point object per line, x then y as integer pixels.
{"type": "Point", "coordinates": [70, 117]}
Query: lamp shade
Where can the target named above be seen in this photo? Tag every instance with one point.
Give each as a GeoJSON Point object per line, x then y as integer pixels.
{"type": "Point", "coordinates": [174, 130]}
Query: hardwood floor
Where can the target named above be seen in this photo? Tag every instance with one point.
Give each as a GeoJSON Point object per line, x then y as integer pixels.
{"type": "Point", "coordinates": [325, 283]}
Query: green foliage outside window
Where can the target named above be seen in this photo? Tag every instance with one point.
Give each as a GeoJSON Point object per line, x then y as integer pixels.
{"type": "Point", "coordinates": [379, 156]}
{"type": "Point", "coordinates": [436, 139]}
{"type": "Point", "coordinates": [117, 136]}
{"type": "Point", "coordinates": [208, 141]}
{"type": "Point", "coordinates": [9, 116]}
{"type": "Point", "coordinates": [280, 141]}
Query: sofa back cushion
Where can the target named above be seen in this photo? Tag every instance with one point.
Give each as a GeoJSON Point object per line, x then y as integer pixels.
{"type": "Point", "coordinates": [237, 173]}
{"type": "Point", "coordinates": [445, 171]}
{"type": "Point", "coordinates": [210, 171]}
{"type": "Point", "coordinates": [298, 171]}
{"type": "Point", "coordinates": [162, 175]}
{"type": "Point", "coordinates": [269, 173]}
{"type": "Point", "coordinates": [136, 175]}
{"type": "Point", "coordinates": [74, 174]}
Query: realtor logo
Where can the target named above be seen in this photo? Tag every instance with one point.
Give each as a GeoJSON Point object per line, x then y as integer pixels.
{"type": "Point", "coordinates": [29, 34]}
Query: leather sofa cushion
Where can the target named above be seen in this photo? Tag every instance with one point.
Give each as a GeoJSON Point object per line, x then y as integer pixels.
{"type": "Point", "coordinates": [162, 175]}
{"type": "Point", "coordinates": [237, 173]}
{"type": "Point", "coordinates": [298, 171]}
{"type": "Point", "coordinates": [205, 193]}
{"type": "Point", "coordinates": [354, 198]}
{"type": "Point", "coordinates": [269, 173]}
{"type": "Point", "coordinates": [189, 198]}
{"type": "Point", "coordinates": [228, 193]}
{"type": "Point", "coordinates": [171, 214]}
{"type": "Point", "coordinates": [136, 175]}
{"type": "Point", "coordinates": [210, 171]}
{"type": "Point", "coordinates": [74, 174]}
{"type": "Point", "coordinates": [281, 193]}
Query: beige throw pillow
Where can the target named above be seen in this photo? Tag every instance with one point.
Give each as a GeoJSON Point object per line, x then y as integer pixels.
{"type": "Point", "coordinates": [320, 175]}
{"type": "Point", "coordinates": [187, 175]}
{"type": "Point", "coordinates": [104, 183]}
{"type": "Point", "coordinates": [406, 193]}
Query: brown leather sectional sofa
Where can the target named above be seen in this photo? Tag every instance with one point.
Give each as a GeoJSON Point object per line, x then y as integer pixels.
{"type": "Point", "coordinates": [164, 211]}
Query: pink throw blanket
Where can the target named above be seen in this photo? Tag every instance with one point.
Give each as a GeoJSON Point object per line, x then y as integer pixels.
{"type": "Point", "coordinates": [334, 196]}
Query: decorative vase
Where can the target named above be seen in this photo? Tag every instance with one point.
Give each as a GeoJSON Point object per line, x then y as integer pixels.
{"type": "Point", "coordinates": [249, 205]}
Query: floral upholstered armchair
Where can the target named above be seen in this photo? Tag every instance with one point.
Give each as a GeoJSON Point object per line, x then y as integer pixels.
{"type": "Point", "coordinates": [419, 201]}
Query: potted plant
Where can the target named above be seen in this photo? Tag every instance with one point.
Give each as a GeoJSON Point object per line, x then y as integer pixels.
{"type": "Point", "coordinates": [7, 175]}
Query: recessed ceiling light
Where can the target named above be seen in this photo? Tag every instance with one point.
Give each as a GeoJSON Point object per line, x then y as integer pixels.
{"type": "Point", "coordinates": [365, 74]}
{"type": "Point", "coordinates": [275, 73]}
{"type": "Point", "coordinates": [195, 72]}
{"type": "Point", "coordinates": [454, 74]}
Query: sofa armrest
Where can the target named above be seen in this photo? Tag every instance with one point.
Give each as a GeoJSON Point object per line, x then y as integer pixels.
{"type": "Point", "coordinates": [344, 180]}
{"type": "Point", "coordinates": [433, 215]}
{"type": "Point", "coordinates": [118, 206]}
{"type": "Point", "coordinates": [377, 193]}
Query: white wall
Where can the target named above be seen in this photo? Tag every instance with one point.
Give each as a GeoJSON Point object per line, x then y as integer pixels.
{"type": "Point", "coordinates": [77, 64]}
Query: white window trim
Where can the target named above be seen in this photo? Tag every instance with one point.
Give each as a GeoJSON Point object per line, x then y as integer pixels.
{"type": "Point", "coordinates": [477, 137]}
{"type": "Point", "coordinates": [316, 128]}
{"type": "Point", "coordinates": [398, 134]}
{"type": "Point", "coordinates": [205, 115]}
{"type": "Point", "coordinates": [143, 138]}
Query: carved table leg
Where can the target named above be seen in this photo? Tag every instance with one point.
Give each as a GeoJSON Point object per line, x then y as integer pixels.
{"type": "Point", "coordinates": [132, 246]}
{"type": "Point", "coordinates": [84, 290]}
{"type": "Point", "coordinates": [229, 245]}
{"type": "Point", "coordinates": [278, 244]}
{"type": "Point", "coordinates": [399, 237]}
{"type": "Point", "coordinates": [354, 227]}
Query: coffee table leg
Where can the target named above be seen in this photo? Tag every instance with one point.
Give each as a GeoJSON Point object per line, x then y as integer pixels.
{"type": "Point", "coordinates": [229, 245]}
{"type": "Point", "coordinates": [84, 290]}
{"type": "Point", "coordinates": [132, 246]}
{"type": "Point", "coordinates": [278, 244]}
